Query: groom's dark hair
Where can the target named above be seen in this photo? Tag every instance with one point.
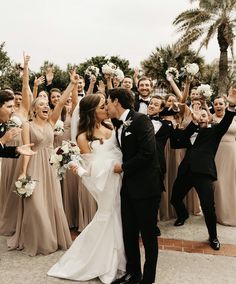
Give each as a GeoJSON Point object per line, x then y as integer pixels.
{"type": "Point", "coordinates": [124, 97]}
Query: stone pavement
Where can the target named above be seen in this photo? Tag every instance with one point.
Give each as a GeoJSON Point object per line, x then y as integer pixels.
{"type": "Point", "coordinates": [185, 257]}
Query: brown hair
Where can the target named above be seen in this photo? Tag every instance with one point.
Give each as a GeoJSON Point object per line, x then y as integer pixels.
{"type": "Point", "coordinates": [87, 114]}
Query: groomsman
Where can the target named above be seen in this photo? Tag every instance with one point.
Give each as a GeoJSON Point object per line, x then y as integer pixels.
{"type": "Point", "coordinates": [141, 186]}
{"type": "Point", "coordinates": [6, 110]}
{"type": "Point", "coordinates": [142, 98]}
{"type": "Point", "coordinates": [198, 169]}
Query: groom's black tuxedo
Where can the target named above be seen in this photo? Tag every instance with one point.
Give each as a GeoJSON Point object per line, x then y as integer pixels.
{"type": "Point", "coordinates": [140, 194]}
{"type": "Point", "coordinates": [198, 169]}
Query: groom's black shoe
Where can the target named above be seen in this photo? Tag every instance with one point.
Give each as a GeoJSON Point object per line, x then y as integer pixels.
{"type": "Point", "coordinates": [214, 243]}
{"type": "Point", "coordinates": [180, 221]}
{"type": "Point", "coordinates": [127, 279]}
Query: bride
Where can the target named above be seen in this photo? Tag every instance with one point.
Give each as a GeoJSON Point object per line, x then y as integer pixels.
{"type": "Point", "coordinates": [98, 251]}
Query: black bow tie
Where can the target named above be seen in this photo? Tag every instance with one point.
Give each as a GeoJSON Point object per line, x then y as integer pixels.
{"type": "Point", "coordinates": [80, 95]}
{"type": "Point", "coordinates": [143, 101]}
{"type": "Point", "coordinates": [157, 118]}
{"type": "Point", "coordinates": [117, 123]}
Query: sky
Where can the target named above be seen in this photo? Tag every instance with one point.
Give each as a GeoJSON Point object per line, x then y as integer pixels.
{"type": "Point", "coordinates": [71, 31]}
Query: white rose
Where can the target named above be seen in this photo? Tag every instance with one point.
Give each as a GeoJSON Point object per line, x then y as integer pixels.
{"type": "Point", "coordinates": [65, 148]}
{"type": "Point", "coordinates": [21, 190]}
{"type": "Point", "coordinates": [119, 74]}
{"type": "Point", "coordinates": [192, 68]}
{"type": "Point", "coordinates": [18, 184]}
{"type": "Point", "coordinates": [16, 120]}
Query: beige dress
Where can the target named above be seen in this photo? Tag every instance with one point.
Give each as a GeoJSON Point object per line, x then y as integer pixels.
{"type": "Point", "coordinates": [41, 222]}
{"type": "Point", "coordinates": [10, 171]}
{"type": "Point", "coordinates": [225, 186]}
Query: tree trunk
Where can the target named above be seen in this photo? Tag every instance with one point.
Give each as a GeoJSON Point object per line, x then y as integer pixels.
{"type": "Point", "coordinates": [223, 62]}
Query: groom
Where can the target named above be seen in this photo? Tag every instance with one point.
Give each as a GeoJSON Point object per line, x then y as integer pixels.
{"type": "Point", "coordinates": [141, 186]}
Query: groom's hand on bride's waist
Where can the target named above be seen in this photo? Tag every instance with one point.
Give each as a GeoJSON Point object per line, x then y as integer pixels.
{"type": "Point", "coordinates": [118, 168]}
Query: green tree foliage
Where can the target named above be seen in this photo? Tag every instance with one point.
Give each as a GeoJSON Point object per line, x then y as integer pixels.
{"type": "Point", "coordinates": [9, 72]}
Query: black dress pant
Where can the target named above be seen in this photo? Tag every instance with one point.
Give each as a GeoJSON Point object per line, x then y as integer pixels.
{"type": "Point", "coordinates": [140, 216]}
{"type": "Point", "coordinates": [204, 187]}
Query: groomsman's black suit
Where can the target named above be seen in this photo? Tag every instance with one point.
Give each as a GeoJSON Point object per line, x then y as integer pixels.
{"type": "Point", "coordinates": [198, 169]}
{"type": "Point", "coordinates": [140, 194]}
{"type": "Point", "coordinates": [7, 151]}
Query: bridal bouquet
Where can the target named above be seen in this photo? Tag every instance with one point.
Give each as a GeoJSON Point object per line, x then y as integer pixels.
{"type": "Point", "coordinates": [13, 122]}
{"type": "Point", "coordinates": [25, 186]}
{"type": "Point", "coordinates": [119, 74]}
{"type": "Point", "coordinates": [109, 68]}
{"type": "Point", "coordinates": [92, 70]}
{"type": "Point", "coordinates": [205, 90]}
{"type": "Point", "coordinates": [63, 155]}
{"type": "Point", "coordinates": [172, 72]}
{"type": "Point", "coordinates": [59, 128]}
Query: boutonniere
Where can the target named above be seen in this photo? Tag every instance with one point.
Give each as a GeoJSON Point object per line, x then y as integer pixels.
{"type": "Point", "coordinates": [127, 123]}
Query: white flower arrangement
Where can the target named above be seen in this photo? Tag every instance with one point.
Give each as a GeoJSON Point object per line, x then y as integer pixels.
{"type": "Point", "coordinates": [109, 68]}
{"type": "Point", "coordinates": [191, 69]}
{"type": "Point", "coordinates": [205, 90]}
{"type": "Point", "coordinates": [25, 186]}
{"type": "Point", "coordinates": [119, 74]}
{"type": "Point", "coordinates": [63, 155]}
{"type": "Point", "coordinates": [13, 122]}
{"type": "Point", "coordinates": [173, 73]}
{"type": "Point", "coordinates": [92, 70]}
{"type": "Point", "coordinates": [127, 123]}
{"type": "Point", "coordinates": [59, 128]}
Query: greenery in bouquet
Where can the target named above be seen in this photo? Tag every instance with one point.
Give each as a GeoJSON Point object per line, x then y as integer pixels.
{"type": "Point", "coordinates": [63, 155]}
{"type": "Point", "coordinates": [25, 186]}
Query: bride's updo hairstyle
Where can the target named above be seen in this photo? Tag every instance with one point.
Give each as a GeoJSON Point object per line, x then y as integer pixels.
{"type": "Point", "coordinates": [87, 121]}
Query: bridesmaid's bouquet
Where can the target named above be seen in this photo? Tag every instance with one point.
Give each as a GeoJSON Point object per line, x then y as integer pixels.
{"type": "Point", "coordinates": [109, 68]}
{"type": "Point", "coordinates": [63, 155]}
{"type": "Point", "coordinates": [172, 73]}
{"type": "Point", "coordinates": [13, 122]}
{"type": "Point", "coordinates": [189, 70]}
{"type": "Point", "coordinates": [92, 70]}
{"type": "Point", "coordinates": [59, 128]}
{"type": "Point", "coordinates": [205, 91]}
{"type": "Point", "coordinates": [25, 186]}
{"type": "Point", "coordinates": [119, 74]}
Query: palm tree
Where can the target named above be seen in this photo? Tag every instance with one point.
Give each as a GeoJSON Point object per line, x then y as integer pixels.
{"type": "Point", "coordinates": [212, 17]}
{"type": "Point", "coordinates": [162, 58]}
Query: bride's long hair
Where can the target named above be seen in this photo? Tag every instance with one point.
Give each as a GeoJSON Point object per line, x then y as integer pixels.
{"type": "Point", "coordinates": [87, 121]}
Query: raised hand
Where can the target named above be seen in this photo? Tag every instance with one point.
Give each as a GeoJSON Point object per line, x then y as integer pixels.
{"type": "Point", "coordinates": [101, 86]}
{"type": "Point", "coordinates": [26, 58]}
{"type": "Point", "coordinates": [231, 98]}
{"type": "Point", "coordinates": [74, 78]}
{"type": "Point", "coordinates": [39, 81]}
{"type": "Point", "coordinates": [49, 75]}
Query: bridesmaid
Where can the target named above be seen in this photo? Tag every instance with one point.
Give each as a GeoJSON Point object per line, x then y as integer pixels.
{"type": "Point", "coordinates": [10, 169]}
{"type": "Point", "coordinates": [225, 186]}
{"type": "Point", "coordinates": [41, 222]}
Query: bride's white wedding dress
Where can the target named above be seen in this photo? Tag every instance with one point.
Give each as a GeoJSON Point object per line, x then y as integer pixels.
{"type": "Point", "coordinates": [98, 251]}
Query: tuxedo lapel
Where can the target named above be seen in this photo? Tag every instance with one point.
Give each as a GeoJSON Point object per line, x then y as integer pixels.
{"type": "Point", "coordinates": [117, 138]}
{"type": "Point", "coordinates": [129, 116]}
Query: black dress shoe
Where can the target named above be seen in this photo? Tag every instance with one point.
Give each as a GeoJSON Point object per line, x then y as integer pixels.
{"type": "Point", "coordinates": [214, 243]}
{"type": "Point", "coordinates": [127, 279]}
{"type": "Point", "coordinates": [180, 221]}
